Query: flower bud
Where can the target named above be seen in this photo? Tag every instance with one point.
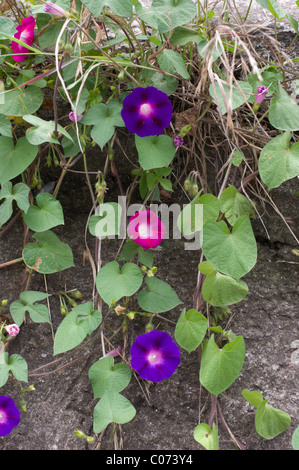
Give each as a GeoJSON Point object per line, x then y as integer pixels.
{"type": "Point", "coordinates": [119, 310]}
{"type": "Point", "coordinates": [4, 302]}
{"type": "Point", "coordinates": [131, 315]}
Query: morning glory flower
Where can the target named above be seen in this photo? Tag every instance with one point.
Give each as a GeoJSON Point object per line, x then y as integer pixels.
{"type": "Point", "coordinates": [74, 117]}
{"type": "Point", "coordinates": [12, 330]}
{"type": "Point", "coordinates": [25, 33]}
{"type": "Point", "coordinates": [146, 111]}
{"type": "Point", "coordinates": [54, 9]}
{"type": "Point", "coordinates": [155, 356]}
{"type": "Point", "coordinates": [261, 93]}
{"type": "Point", "coordinates": [146, 229]}
{"type": "Point", "coordinates": [9, 415]}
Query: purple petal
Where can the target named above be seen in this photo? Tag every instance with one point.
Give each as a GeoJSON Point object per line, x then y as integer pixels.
{"type": "Point", "coordinates": [155, 356]}
{"type": "Point", "coordinates": [25, 33]}
{"type": "Point", "coordinates": [146, 111]}
{"type": "Point", "coordinates": [9, 415]}
{"type": "Point", "coordinates": [261, 93]}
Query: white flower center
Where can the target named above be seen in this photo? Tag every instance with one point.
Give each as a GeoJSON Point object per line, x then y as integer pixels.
{"type": "Point", "coordinates": [143, 231]}
{"type": "Point", "coordinates": [145, 109]}
{"type": "Point", "coordinates": [2, 417]}
{"type": "Point", "coordinates": [154, 357]}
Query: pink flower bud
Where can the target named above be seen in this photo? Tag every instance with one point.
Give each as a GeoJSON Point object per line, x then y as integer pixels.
{"type": "Point", "coordinates": [74, 117]}
{"type": "Point", "coordinates": [261, 93]}
{"type": "Point", "coordinates": [54, 9]}
{"type": "Point", "coordinates": [12, 330]}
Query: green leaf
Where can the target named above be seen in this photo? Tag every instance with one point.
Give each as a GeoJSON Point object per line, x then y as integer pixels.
{"type": "Point", "coordinates": [190, 329]}
{"type": "Point", "coordinates": [120, 7]}
{"type": "Point", "coordinates": [278, 161]}
{"type": "Point", "coordinates": [233, 204]}
{"type": "Point", "coordinates": [47, 214]}
{"type": "Point", "coordinates": [295, 439]}
{"type": "Point", "coordinates": [255, 398]}
{"type": "Point", "coordinates": [172, 62]}
{"type": "Point", "coordinates": [105, 376]}
{"type": "Point", "coordinates": [48, 255]}
{"type": "Point", "coordinates": [182, 36]}
{"type": "Point", "coordinates": [154, 151]}
{"type": "Point", "coordinates": [158, 297]}
{"type": "Point", "coordinates": [15, 159]}
{"type": "Point", "coordinates": [104, 118]}
{"type": "Point", "coordinates": [114, 283]}
{"type": "Point", "coordinates": [284, 111]}
{"type": "Point", "coordinates": [16, 365]}
{"type": "Point", "coordinates": [220, 367]}
{"type": "Point", "coordinates": [221, 290]}
{"type": "Point", "coordinates": [5, 125]}
{"type": "Point", "coordinates": [43, 131]}
{"type": "Point", "coordinates": [166, 15]}
{"type": "Point", "coordinates": [206, 436]}
{"type": "Point", "coordinates": [107, 220]}
{"type": "Point", "coordinates": [18, 193]}
{"type": "Point", "coordinates": [206, 267]}
{"type": "Point", "coordinates": [237, 97]}
{"type": "Point", "coordinates": [233, 253]}
{"type": "Point", "coordinates": [112, 408]}
{"type": "Point", "coordinates": [79, 322]}
{"type": "Point", "coordinates": [269, 421]}
{"type": "Point", "coordinates": [22, 101]}
{"type": "Point", "coordinates": [195, 214]}
{"type": "Point", "coordinates": [7, 27]}
{"type": "Point", "coordinates": [38, 312]}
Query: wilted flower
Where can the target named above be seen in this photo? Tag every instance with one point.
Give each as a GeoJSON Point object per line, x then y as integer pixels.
{"type": "Point", "coordinates": [178, 141]}
{"type": "Point", "coordinates": [54, 9]}
{"type": "Point", "coordinates": [74, 117]}
{"type": "Point", "coordinates": [12, 330]}
{"type": "Point", "coordinates": [25, 33]}
{"type": "Point", "coordinates": [155, 356]}
{"type": "Point", "coordinates": [261, 93]}
{"type": "Point", "coordinates": [146, 111]}
{"type": "Point", "coordinates": [9, 415]}
{"type": "Point", "coordinates": [146, 229]}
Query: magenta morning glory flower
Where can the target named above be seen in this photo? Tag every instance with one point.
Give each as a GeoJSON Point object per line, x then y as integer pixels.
{"type": "Point", "coordinates": [146, 229]}
{"type": "Point", "coordinates": [9, 415]}
{"type": "Point", "coordinates": [146, 111]}
{"type": "Point", "coordinates": [25, 33]}
{"type": "Point", "coordinates": [54, 9]}
{"type": "Point", "coordinates": [155, 356]}
{"type": "Point", "coordinates": [74, 117]}
{"type": "Point", "coordinates": [261, 93]}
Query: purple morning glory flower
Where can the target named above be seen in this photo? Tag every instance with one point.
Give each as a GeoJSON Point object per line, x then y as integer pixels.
{"type": "Point", "coordinates": [146, 229]}
{"type": "Point", "coordinates": [261, 93]}
{"type": "Point", "coordinates": [146, 111]}
{"type": "Point", "coordinates": [155, 356]}
{"type": "Point", "coordinates": [74, 117]}
{"type": "Point", "coordinates": [9, 415]}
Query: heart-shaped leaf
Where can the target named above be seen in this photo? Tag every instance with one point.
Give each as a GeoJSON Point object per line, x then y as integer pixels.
{"type": "Point", "coordinates": [15, 364]}
{"type": "Point", "coordinates": [47, 214]}
{"type": "Point", "coordinates": [190, 329]}
{"type": "Point", "coordinates": [278, 161]}
{"type": "Point", "coordinates": [15, 159]}
{"type": "Point", "coordinates": [284, 112]}
{"type": "Point", "coordinates": [120, 7]}
{"type": "Point", "coordinates": [220, 367]}
{"type": "Point", "coordinates": [233, 253]}
{"type": "Point", "coordinates": [114, 283]}
{"type": "Point", "coordinates": [112, 408]}
{"type": "Point", "coordinates": [22, 101]}
{"type": "Point", "coordinates": [158, 297]}
{"type": "Point", "coordinates": [222, 94]}
{"type": "Point", "coordinates": [79, 322]}
{"type": "Point", "coordinates": [43, 131]}
{"type": "Point", "coordinates": [49, 254]}
{"type": "Point", "coordinates": [269, 421]}
{"type": "Point", "coordinates": [221, 290]}
{"type": "Point", "coordinates": [38, 312]}
{"type": "Point", "coordinates": [233, 204]}
{"type": "Point", "coordinates": [105, 376]}
{"type": "Point", "coordinates": [154, 151]}
{"type": "Point", "coordinates": [206, 436]}
{"type": "Point", "coordinates": [18, 193]}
